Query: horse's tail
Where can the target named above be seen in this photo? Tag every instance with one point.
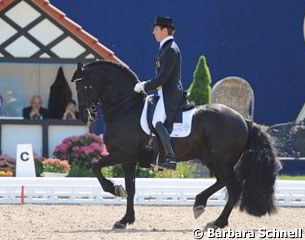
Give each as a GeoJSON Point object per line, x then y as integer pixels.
{"type": "Point", "coordinates": [257, 170]}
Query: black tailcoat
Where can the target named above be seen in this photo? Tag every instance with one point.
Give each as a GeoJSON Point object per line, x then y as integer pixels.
{"type": "Point", "coordinates": [60, 95]}
{"type": "Point", "coordinates": [168, 76]}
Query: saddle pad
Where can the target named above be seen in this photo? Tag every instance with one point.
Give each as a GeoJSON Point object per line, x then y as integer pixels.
{"type": "Point", "coordinates": [179, 129]}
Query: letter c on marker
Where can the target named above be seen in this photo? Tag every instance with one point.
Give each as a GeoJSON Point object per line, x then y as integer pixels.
{"type": "Point", "coordinates": [22, 156]}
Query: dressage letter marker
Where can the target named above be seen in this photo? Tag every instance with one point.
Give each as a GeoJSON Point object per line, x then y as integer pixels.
{"type": "Point", "coordinates": [25, 161]}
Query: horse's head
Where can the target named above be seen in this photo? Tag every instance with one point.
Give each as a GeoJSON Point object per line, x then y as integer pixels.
{"type": "Point", "coordinates": [87, 94]}
{"type": "Point", "coordinates": [106, 81]}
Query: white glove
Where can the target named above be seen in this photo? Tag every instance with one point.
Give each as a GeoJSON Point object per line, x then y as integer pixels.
{"type": "Point", "coordinates": [139, 87]}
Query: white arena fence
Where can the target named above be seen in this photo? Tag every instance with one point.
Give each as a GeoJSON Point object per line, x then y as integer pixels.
{"type": "Point", "coordinates": [149, 191]}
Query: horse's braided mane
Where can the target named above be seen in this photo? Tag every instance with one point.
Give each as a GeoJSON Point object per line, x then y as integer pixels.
{"type": "Point", "coordinates": [129, 72]}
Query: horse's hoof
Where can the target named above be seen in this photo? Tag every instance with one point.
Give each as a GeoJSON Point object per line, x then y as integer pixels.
{"type": "Point", "coordinates": [120, 191]}
{"type": "Point", "coordinates": [119, 225]}
{"type": "Point", "coordinates": [210, 225]}
{"type": "Point", "coordinates": [198, 210]}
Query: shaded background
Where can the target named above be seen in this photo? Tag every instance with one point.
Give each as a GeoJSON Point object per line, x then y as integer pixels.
{"type": "Point", "coordinates": [261, 41]}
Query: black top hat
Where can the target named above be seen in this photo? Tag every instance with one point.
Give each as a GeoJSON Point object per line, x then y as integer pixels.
{"type": "Point", "coordinates": [164, 21]}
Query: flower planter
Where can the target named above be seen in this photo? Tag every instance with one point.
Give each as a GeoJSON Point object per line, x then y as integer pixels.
{"type": "Point", "coordinates": [53, 174]}
{"type": "Point", "coordinates": [6, 173]}
{"type": "Point", "coordinates": [54, 167]}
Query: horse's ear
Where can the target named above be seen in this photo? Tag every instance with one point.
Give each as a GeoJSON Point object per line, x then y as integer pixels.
{"type": "Point", "coordinates": [79, 67]}
{"type": "Point", "coordinates": [78, 73]}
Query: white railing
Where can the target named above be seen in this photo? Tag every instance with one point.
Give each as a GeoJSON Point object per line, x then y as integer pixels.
{"type": "Point", "coordinates": [149, 191]}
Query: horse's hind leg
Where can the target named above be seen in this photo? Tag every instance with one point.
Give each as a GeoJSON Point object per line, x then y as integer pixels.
{"type": "Point", "coordinates": [129, 218]}
{"type": "Point", "coordinates": [202, 198]}
{"type": "Point", "coordinates": [234, 190]}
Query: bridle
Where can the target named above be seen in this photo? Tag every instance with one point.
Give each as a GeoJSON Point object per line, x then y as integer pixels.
{"type": "Point", "coordinates": [93, 106]}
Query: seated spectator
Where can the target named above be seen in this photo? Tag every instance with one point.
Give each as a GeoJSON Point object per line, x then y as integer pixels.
{"type": "Point", "coordinates": [1, 106]}
{"type": "Point", "coordinates": [13, 107]}
{"type": "Point", "coordinates": [35, 111]}
{"type": "Point", "coordinates": [70, 112]}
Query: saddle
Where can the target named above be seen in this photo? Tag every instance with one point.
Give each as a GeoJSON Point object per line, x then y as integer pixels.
{"type": "Point", "coordinates": [185, 106]}
{"type": "Point", "coordinates": [181, 127]}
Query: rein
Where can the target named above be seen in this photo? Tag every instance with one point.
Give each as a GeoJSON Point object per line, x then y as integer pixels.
{"type": "Point", "coordinates": [127, 98]}
{"type": "Point", "coordinates": [92, 109]}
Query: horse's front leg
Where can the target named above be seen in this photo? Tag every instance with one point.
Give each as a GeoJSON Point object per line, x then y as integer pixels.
{"type": "Point", "coordinates": [129, 218]}
{"type": "Point", "coordinates": [107, 185]}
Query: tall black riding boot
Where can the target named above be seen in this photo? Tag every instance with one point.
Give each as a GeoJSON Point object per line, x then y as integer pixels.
{"type": "Point", "coordinates": [170, 158]}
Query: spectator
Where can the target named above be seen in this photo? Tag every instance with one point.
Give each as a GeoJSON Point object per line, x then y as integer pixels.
{"type": "Point", "coordinates": [13, 107]}
{"type": "Point", "coordinates": [1, 106]}
{"type": "Point", "coordinates": [70, 112]}
{"type": "Point", "coordinates": [35, 111]}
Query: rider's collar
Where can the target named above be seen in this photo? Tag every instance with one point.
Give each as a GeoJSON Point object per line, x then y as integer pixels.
{"type": "Point", "coordinates": [165, 40]}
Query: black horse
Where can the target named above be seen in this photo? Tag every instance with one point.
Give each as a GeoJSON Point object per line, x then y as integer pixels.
{"type": "Point", "coordinates": [238, 152]}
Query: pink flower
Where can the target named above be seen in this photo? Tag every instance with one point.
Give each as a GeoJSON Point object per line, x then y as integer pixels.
{"type": "Point", "coordinates": [84, 148]}
{"type": "Point", "coordinates": [98, 147]}
{"type": "Point", "coordinates": [76, 148]}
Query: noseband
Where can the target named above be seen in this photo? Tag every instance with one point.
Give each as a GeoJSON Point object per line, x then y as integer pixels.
{"type": "Point", "coordinates": [92, 109]}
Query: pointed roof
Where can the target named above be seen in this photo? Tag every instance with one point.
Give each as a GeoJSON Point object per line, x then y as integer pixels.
{"type": "Point", "coordinates": [36, 31]}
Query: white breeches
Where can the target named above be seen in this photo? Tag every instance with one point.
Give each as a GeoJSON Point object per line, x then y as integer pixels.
{"type": "Point", "coordinates": [159, 114]}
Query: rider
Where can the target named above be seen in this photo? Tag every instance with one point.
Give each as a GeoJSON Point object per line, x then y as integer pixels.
{"type": "Point", "coordinates": [168, 84]}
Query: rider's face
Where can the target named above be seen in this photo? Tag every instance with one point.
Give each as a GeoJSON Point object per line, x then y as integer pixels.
{"type": "Point", "coordinates": [159, 33]}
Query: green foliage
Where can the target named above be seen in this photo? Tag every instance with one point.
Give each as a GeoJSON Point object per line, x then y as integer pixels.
{"type": "Point", "coordinates": [184, 170]}
{"type": "Point", "coordinates": [113, 171]}
{"type": "Point", "coordinates": [290, 177]}
{"type": "Point", "coordinates": [38, 166]}
{"type": "Point", "coordinates": [80, 171]}
{"type": "Point", "coordinates": [200, 89]}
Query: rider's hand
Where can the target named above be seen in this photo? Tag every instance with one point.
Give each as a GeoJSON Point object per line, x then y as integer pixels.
{"type": "Point", "coordinates": [139, 87]}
